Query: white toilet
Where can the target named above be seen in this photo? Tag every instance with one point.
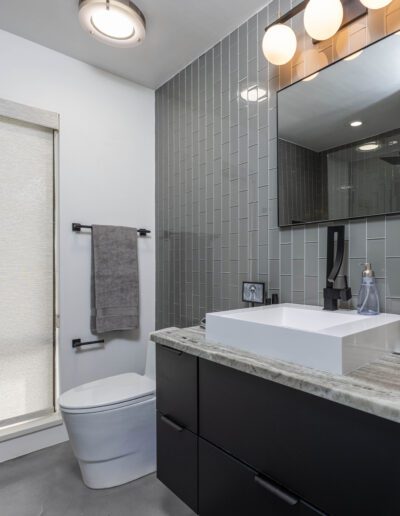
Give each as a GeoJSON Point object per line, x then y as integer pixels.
{"type": "Point", "coordinates": [111, 425]}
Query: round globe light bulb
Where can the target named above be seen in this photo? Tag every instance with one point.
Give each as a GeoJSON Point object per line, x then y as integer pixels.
{"type": "Point", "coordinates": [323, 19]}
{"type": "Point", "coordinates": [279, 44]}
{"type": "Point", "coordinates": [375, 4]}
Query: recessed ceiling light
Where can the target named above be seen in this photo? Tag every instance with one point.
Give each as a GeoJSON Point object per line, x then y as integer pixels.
{"type": "Point", "coordinates": [370, 146]}
{"type": "Point", "coordinates": [353, 56]}
{"type": "Point", "coordinates": [393, 142]}
{"type": "Point", "coordinates": [356, 123]}
{"type": "Point", "coordinates": [310, 77]}
{"type": "Point", "coordinates": [254, 94]}
{"type": "Point", "coordinates": [115, 22]}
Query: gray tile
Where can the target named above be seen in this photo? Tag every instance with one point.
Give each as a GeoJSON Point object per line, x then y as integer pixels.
{"type": "Point", "coordinates": [311, 259]}
{"type": "Point", "coordinates": [273, 213]}
{"type": "Point", "coordinates": [286, 235]}
{"type": "Point", "coordinates": [311, 291]}
{"type": "Point", "coordinates": [381, 286]}
{"type": "Point", "coordinates": [358, 236]}
{"type": "Point", "coordinates": [311, 233]}
{"type": "Point", "coordinates": [298, 242]}
{"type": "Point", "coordinates": [376, 255]}
{"type": "Point", "coordinates": [273, 243]}
{"type": "Point", "coordinates": [216, 191]}
{"type": "Point", "coordinates": [393, 306]}
{"type": "Point", "coordinates": [376, 227]}
{"type": "Point", "coordinates": [322, 240]}
{"type": "Point", "coordinates": [393, 277]}
{"type": "Point", "coordinates": [298, 275]}
{"type": "Point", "coordinates": [298, 297]}
{"type": "Point", "coordinates": [274, 274]}
{"type": "Point", "coordinates": [263, 259]}
{"type": "Point", "coordinates": [286, 259]}
{"type": "Point", "coordinates": [393, 235]}
{"type": "Point", "coordinates": [355, 270]}
{"type": "Point", "coordinates": [286, 289]}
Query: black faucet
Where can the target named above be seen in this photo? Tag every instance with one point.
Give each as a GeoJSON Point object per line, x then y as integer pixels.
{"type": "Point", "coordinates": [334, 262]}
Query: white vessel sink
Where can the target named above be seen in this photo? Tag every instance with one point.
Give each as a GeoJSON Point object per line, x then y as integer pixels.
{"type": "Point", "coordinates": [336, 342]}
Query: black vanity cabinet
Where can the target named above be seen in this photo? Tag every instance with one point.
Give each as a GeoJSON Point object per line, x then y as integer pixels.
{"type": "Point", "coordinates": [265, 449]}
{"type": "Point", "coordinates": [230, 488]}
{"type": "Point", "coordinates": [177, 410]}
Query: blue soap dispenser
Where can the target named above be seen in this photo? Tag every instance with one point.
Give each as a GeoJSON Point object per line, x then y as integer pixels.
{"type": "Point", "coordinates": [368, 299]}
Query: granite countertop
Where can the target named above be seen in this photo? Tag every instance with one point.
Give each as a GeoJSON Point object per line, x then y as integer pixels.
{"type": "Point", "coordinates": [374, 388]}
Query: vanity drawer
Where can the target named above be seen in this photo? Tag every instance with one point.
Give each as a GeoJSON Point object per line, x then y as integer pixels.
{"type": "Point", "coordinates": [343, 460]}
{"type": "Point", "coordinates": [228, 487]}
{"type": "Point", "coordinates": [177, 464]}
{"type": "Point", "coordinates": [176, 380]}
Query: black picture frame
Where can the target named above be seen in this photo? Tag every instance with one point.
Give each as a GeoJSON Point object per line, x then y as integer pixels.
{"type": "Point", "coordinates": [258, 291]}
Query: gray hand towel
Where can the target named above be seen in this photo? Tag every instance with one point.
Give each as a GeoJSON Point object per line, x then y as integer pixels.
{"type": "Point", "coordinates": [115, 279]}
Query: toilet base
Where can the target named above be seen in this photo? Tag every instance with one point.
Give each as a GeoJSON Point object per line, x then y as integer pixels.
{"type": "Point", "coordinates": [115, 472]}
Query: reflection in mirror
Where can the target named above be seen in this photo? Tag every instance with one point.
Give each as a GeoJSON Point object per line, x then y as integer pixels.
{"type": "Point", "coordinates": [339, 139]}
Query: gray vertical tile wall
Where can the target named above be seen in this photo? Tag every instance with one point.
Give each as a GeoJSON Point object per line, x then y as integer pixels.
{"type": "Point", "coordinates": [216, 183]}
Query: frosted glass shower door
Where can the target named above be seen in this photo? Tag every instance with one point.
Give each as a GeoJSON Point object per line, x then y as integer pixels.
{"type": "Point", "coordinates": [26, 271]}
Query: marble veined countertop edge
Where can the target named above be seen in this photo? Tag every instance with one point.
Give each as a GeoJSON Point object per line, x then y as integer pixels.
{"type": "Point", "coordinates": [374, 388]}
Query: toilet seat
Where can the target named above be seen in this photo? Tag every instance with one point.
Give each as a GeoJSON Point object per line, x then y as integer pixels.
{"type": "Point", "coordinates": [108, 394]}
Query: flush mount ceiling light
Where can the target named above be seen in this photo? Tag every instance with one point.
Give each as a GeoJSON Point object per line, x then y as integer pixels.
{"type": "Point", "coordinates": [323, 19]}
{"type": "Point", "coordinates": [356, 123]}
{"type": "Point", "coordinates": [279, 44]}
{"type": "Point", "coordinates": [367, 147]}
{"type": "Point", "coordinates": [375, 4]}
{"type": "Point", "coordinates": [254, 94]}
{"type": "Point", "coordinates": [115, 22]}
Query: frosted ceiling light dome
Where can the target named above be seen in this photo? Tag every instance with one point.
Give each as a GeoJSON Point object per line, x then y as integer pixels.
{"type": "Point", "coordinates": [279, 44]}
{"type": "Point", "coordinates": [115, 22]}
{"type": "Point", "coordinates": [375, 4]}
{"type": "Point", "coordinates": [322, 19]}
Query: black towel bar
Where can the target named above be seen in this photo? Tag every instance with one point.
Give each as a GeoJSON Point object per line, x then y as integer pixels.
{"type": "Point", "coordinates": [77, 227]}
{"type": "Point", "coordinates": [77, 343]}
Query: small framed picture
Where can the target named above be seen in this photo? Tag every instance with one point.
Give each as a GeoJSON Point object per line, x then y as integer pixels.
{"type": "Point", "coordinates": [253, 292]}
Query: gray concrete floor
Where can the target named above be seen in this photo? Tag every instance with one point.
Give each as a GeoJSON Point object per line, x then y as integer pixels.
{"type": "Point", "coordinates": [48, 483]}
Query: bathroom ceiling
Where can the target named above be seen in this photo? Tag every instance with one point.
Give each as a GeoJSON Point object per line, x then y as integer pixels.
{"type": "Point", "coordinates": [178, 31]}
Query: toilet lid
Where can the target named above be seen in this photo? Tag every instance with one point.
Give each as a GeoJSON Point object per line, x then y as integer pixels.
{"type": "Point", "coordinates": [108, 391]}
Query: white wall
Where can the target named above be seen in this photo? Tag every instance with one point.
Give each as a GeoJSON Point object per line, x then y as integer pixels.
{"type": "Point", "coordinates": [106, 177]}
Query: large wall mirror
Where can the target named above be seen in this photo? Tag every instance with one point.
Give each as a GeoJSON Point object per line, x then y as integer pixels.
{"type": "Point", "coordinates": [339, 139]}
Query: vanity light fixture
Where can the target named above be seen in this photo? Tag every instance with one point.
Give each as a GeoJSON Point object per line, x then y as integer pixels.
{"type": "Point", "coordinates": [254, 94]}
{"type": "Point", "coordinates": [279, 44]}
{"type": "Point", "coordinates": [351, 57]}
{"type": "Point", "coordinates": [356, 123]}
{"type": "Point", "coordinates": [323, 19]}
{"type": "Point", "coordinates": [375, 4]}
{"type": "Point", "coordinates": [115, 22]}
{"type": "Point", "coordinates": [367, 147]}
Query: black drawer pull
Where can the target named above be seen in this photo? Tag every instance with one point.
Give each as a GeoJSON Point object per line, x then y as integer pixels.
{"type": "Point", "coordinates": [173, 350]}
{"type": "Point", "coordinates": [172, 424]}
{"type": "Point", "coordinates": [276, 490]}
